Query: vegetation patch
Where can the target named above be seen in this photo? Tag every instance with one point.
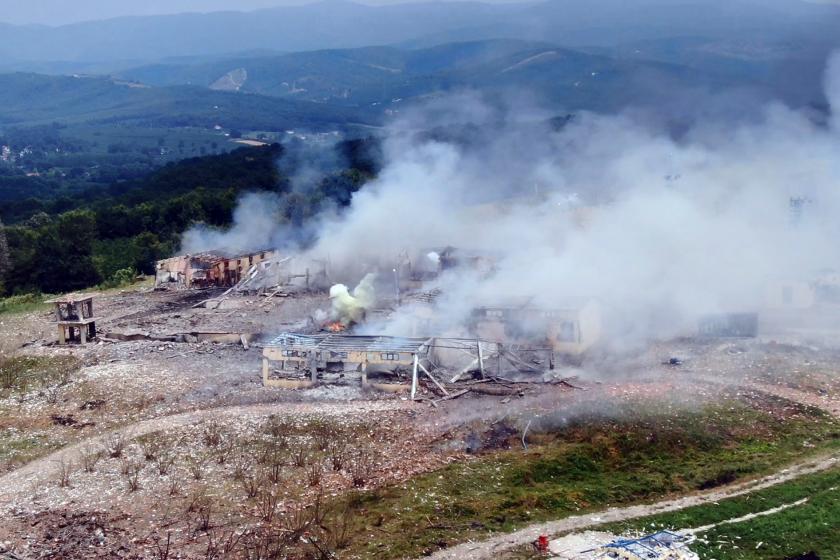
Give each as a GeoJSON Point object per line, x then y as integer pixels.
{"type": "Point", "coordinates": [17, 448]}
{"type": "Point", "coordinates": [809, 527]}
{"type": "Point", "coordinates": [20, 374]}
{"type": "Point", "coordinates": [587, 464]}
{"type": "Point", "coordinates": [25, 303]}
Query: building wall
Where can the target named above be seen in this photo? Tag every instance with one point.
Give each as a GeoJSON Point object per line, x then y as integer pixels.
{"type": "Point", "coordinates": [587, 321]}
{"type": "Point", "coordinates": [790, 295]}
{"type": "Point", "coordinates": [567, 331]}
{"type": "Point", "coordinates": [222, 272]}
{"type": "Point", "coordinates": [173, 270]}
{"type": "Point", "coordinates": [229, 272]}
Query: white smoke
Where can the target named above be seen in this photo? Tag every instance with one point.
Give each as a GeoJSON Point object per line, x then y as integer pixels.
{"type": "Point", "coordinates": [256, 225]}
{"type": "Point", "coordinates": [659, 230]}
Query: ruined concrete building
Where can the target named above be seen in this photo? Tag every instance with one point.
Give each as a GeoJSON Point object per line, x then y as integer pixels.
{"type": "Point", "coordinates": [209, 269]}
{"type": "Point", "coordinates": [569, 330]}
{"type": "Point", "coordinates": [296, 360]}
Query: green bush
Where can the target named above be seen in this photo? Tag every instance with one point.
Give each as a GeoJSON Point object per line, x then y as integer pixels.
{"type": "Point", "coordinates": [122, 277]}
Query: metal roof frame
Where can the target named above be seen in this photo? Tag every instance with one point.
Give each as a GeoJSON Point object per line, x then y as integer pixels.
{"type": "Point", "coordinates": [350, 343]}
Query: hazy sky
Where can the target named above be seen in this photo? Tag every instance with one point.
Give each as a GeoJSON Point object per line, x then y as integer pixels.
{"type": "Point", "coordinates": [57, 12]}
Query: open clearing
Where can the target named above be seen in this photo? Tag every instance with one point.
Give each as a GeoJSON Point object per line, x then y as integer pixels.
{"type": "Point", "coordinates": [127, 449]}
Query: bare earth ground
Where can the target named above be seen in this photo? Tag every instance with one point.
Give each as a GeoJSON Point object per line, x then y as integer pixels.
{"type": "Point", "coordinates": [174, 391]}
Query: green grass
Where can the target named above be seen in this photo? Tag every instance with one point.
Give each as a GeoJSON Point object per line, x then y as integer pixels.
{"type": "Point", "coordinates": [23, 304]}
{"type": "Point", "coordinates": [24, 438]}
{"type": "Point", "coordinates": [585, 466]}
{"type": "Point", "coordinates": [18, 449]}
{"type": "Point", "coordinates": [812, 527]}
{"type": "Point", "coordinates": [19, 374]}
{"type": "Point", "coordinates": [809, 527]}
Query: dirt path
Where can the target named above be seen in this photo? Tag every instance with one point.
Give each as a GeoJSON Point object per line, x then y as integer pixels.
{"type": "Point", "coordinates": [749, 516]}
{"type": "Point", "coordinates": [828, 403]}
{"type": "Point", "coordinates": [495, 545]}
{"type": "Point", "coordinates": [20, 482]}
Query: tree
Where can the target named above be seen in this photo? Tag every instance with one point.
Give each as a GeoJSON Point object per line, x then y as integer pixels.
{"type": "Point", "coordinates": [5, 261]}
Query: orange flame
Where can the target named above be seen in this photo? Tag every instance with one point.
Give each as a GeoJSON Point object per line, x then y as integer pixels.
{"type": "Point", "coordinates": [335, 326]}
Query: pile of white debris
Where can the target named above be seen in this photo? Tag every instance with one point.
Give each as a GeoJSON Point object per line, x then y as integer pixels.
{"type": "Point", "coordinates": [592, 545]}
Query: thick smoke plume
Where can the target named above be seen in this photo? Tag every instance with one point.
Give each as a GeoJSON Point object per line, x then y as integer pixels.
{"type": "Point", "coordinates": [659, 227]}
{"type": "Point", "coordinates": [256, 226]}
{"type": "Point", "coordinates": [280, 219]}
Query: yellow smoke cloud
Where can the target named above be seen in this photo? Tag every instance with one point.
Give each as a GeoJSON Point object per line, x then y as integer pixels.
{"type": "Point", "coordinates": [350, 308]}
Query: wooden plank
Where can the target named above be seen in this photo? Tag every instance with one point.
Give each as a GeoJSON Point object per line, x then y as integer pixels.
{"type": "Point", "coordinates": [267, 299]}
{"type": "Point", "coordinates": [435, 381]}
{"type": "Point", "coordinates": [454, 395]}
{"type": "Point", "coordinates": [464, 370]}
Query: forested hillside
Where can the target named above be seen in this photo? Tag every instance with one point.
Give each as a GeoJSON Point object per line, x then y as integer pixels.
{"type": "Point", "coordinates": [62, 244]}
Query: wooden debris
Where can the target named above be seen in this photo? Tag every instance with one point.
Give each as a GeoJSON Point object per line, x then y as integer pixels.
{"type": "Point", "coordinates": [432, 377]}
{"type": "Point", "coordinates": [454, 395]}
{"type": "Point", "coordinates": [496, 391]}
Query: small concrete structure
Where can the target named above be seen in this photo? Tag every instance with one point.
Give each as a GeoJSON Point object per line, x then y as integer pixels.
{"type": "Point", "coordinates": [75, 319]}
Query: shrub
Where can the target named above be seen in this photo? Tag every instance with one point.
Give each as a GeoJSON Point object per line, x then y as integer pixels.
{"type": "Point", "coordinates": [114, 445]}
{"type": "Point", "coordinates": [90, 457]}
{"type": "Point", "coordinates": [121, 278]}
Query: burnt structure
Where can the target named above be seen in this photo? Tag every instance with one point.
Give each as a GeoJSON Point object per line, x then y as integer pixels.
{"type": "Point", "coordinates": [568, 330]}
{"type": "Point", "coordinates": [297, 361]}
{"type": "Point", "coordinates": [210, 269]}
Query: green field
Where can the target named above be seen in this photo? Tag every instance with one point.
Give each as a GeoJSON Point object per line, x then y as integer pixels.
{"type": "Point", "coordinates": [587, 467]}
{"type": "Point", "coordinates": [809, 527]}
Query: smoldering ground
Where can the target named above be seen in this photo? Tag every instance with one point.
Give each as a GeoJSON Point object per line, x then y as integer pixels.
{"type": "Point", "coordinates": [612, 207]}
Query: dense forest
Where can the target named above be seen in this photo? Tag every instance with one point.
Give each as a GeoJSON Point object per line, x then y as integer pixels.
{"type": "Point", "coordinates": [64, 243]}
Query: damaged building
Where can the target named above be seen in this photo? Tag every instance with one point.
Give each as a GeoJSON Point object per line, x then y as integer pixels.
{"type": "Point", "coordinates": [297, 360]}
{"type": "Point", "coordinates": [569, 330]}
{"type": "Point", "coordinates": [388, 363]}
{"type": "Point", "coordinates": [429, 264]}
{"type": "Point", "coordinates": [208, 269]}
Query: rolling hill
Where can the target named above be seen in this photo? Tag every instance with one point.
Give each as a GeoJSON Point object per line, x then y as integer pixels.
{"type": "Point", "coordinates": [383, 77]}
{"type": "Point", "coordinates": [33, 99]}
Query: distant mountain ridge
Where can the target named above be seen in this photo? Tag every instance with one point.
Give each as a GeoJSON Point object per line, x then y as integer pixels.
{"type": "Point", "coordinates": [567, 79]}
{"type": "Point", "coordinates": [343, 24]}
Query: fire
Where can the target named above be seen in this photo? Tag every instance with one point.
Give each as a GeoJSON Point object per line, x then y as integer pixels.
{"type": "Point", "coordinates": [335, 326]}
